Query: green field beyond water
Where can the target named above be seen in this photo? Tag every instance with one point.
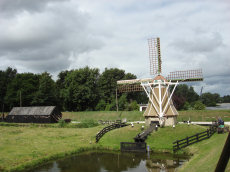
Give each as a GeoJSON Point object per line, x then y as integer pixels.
{"type": "Point", "coordinates": [193, 115]}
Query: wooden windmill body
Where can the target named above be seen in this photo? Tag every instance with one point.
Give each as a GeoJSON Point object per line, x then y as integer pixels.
{"type": "Point", "coordinates": [160, 107]}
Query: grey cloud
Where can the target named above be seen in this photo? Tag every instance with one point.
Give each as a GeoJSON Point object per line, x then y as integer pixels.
{"type": "Point", "coordinates": [12, 7]}
{"type": "Point", "coordinates": [200, 43]}
{"type": "Point", "coordinates": [45, 40]}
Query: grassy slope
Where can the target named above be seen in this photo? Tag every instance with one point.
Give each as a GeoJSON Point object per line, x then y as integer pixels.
{"type": "Point", "coordinates": [162, 140]}
{"type": "Point", "coordinates": [206, 154]}
{"type": "Point", "coordinates": [22, 145]}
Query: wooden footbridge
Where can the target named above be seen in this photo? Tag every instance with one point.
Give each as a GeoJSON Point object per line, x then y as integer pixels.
{"type": "Point", "coordinates": [117, 124]}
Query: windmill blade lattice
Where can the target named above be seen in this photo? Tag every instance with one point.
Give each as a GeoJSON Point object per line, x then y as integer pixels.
{"type": "Point", "coordinates": [154, 56]}
{"type": "Point", "coordinates": [186, 76]}
{"type": "Point", "coordinates": [132, 85]}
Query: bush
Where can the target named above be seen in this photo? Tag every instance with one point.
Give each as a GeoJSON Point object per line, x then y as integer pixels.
{"type": "Point", "coordinates": [186, 106]}
{"type": "Point", "coordinates": [101, 105]}
{"type": "Point", "coordinates": [199, 105]}
{"type": "Point", "coordinates": [88, 123]}
{"type": "Point", "coordinates": [61, 123]}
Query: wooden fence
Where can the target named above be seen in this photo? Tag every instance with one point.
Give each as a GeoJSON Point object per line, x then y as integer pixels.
{"type": "Point", "coordinates": [133, 147]}
{"type": "Point", "coordinates": [179, 144]}
{"type": "Point", "coordinates": [109, 128]}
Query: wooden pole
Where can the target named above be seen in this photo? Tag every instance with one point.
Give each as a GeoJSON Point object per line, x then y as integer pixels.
{"type": "Point", "coordinates": [224, 157]}
{"type": "Point", "coordinates": [20, 98]}
{"type": "Point", "coordinates": [116, 100]}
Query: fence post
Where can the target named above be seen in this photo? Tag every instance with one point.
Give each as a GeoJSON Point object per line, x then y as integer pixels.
{"type": "Point", "coordinates": [177, 142]}
{"type": "Point", "coordinates": [208, 132]}
{"type": "Point", "coordinates": [197, 137]}
{"type": "Point", "coordinates": [187, 140]}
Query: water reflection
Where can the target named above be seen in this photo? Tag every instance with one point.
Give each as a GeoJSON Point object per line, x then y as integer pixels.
{"type": "Point", "coordinates": [220, 106]}
{"type": "Point", "coordinates": [111, 162]}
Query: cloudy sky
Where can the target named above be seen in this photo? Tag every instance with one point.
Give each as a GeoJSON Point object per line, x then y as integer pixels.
{"type": "Point", "coordinates": [55, 35]}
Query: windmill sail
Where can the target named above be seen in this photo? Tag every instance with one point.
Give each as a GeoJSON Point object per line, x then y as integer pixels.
{"type": "Point", "coordinates": [186, 76]}
{"type": "Point", "coordinates": [154, 56]}
{"type": "Point", "coordinates": [131, 85]}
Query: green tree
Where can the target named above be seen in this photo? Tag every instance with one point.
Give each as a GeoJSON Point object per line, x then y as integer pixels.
{"type": "Point", "coordinates": [210, 99]}
{"type": "Point", "coordinates": [226, 99]}
{"type": "Point", "coordinates": [5, 78]}
{"type": "Point", "coordinates": [199, 105]}
{"type": "Point", "coordinates": [183, 94]}
{"type": "Point", "coordinates": [24, 85]}
{"type": "Point", "coordinates": [101, 105]}
{"type": "Point", "coordinates": [47, 92]}
{"type": "Point", "coordinates": [108, 82]}
{"type": "Point", "coordinates": [81, 89]}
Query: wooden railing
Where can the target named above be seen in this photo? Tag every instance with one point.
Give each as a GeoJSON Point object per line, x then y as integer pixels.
{"type": "Point", "coordinates": [141, 137]}
{"type": "Point", "coordinates": [109, 128]}
{"type": "Point", "coordinates": [179, 144]}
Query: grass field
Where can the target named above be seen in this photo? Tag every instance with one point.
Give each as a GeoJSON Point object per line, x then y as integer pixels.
{"type": "Point", "coordinates": [22, 147]}
{"type": "Point", "coordinates": [193, 115]}
{"type": "Point", "coordinates": [28, 145]}
{"type": "Point", "coordinates": [105, 115]}
{"type": "Point", "coordinates": [204, 115]}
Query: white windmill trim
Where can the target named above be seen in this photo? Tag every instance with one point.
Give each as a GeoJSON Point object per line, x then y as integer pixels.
{"type": "Point", "coordinates": [149, 97]}
{"type": "Point", "coordinates": [170, 97]}
{"type": "Point", "coordinates": [153, 93]}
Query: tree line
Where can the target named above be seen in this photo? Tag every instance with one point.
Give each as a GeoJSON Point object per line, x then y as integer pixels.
{"type": "Point", "coordinates": [84, 89]}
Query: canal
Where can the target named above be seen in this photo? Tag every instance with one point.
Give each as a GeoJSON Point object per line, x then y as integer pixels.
{"type": "Point", "coordinates": [115, 162]}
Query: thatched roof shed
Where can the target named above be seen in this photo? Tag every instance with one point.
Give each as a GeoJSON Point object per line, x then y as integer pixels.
{"type": "Point", "coordinates": [38, 114]}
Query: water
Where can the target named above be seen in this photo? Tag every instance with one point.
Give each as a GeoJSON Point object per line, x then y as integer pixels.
{"type": "Point", "coordinates": [221, 106]}
{"type": "Point", "coordinates": [114, 162]}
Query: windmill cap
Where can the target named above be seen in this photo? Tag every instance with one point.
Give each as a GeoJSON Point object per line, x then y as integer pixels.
{"type": "Point", "coordinates": [159, 77]}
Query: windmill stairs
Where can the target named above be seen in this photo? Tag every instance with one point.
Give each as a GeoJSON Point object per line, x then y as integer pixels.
{"type": "Point", "coordinates": [139, 144]}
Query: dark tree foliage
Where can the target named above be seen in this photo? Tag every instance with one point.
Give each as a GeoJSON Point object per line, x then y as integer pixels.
{"type": "Point", "coordinates": [210, 99]}
{"type": "Point", "coordinates": [226, 99]}
{"type": "Point", "coordinates": [86, 89]}
{"type": "Point", "coordinates": [107, 83]}
{"type": "Point", "coordinates": [184, 94]}
{"type": "Point", "coordinates": [47, 92]}
{"type": "Point", "coordinates": [80, 90]}
{"type": "Point", "coordinates": [5, 78]}
{"type": "Point", "coordinates": [24, 85]}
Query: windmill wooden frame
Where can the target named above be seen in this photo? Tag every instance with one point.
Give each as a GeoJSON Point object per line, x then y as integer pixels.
{"type": "Point", "coordinates": [160, 107]}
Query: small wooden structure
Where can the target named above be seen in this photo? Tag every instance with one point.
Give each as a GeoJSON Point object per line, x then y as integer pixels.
{"type": "Point", "coordinates": [39, 114]}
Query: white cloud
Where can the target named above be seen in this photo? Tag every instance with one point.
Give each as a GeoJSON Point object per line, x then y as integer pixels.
{"type": "Point", "coordinates": [59, 35]}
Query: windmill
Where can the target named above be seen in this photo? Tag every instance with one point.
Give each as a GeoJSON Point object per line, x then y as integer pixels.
{"type": "Point", "coordinates": [160, 107]}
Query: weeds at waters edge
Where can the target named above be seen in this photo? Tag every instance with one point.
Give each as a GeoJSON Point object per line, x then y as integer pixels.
{"type": "Point", "coordinates": [43, 161]}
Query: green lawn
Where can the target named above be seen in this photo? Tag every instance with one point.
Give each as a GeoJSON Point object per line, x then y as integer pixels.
{"type": "Point", "coordinates": [206, 154]}
{"type": "Point", "coordinates": [105, 115]}
{"type": "Point", "coordinates": [22, 146]}
{"type": "Point", "coordinates": [193, 115]}
{"type": "Point", "coordinates": [30, 144]}
{"type": "Point", "coordinates": [204, 115]}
